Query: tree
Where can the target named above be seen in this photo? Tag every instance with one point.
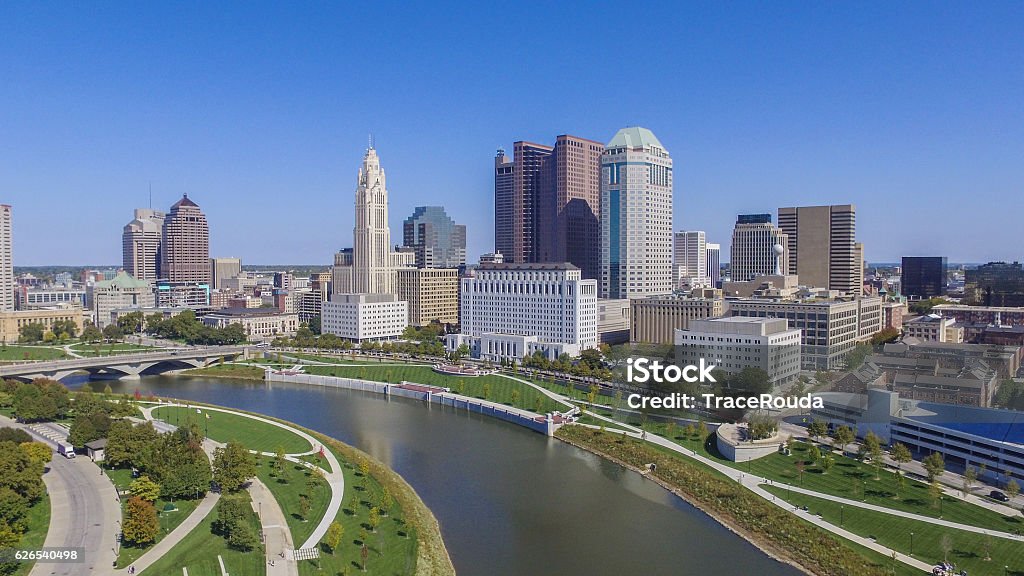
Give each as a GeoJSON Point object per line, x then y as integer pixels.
{"type": "Point", "coordinates": [91, 333]}
{"type": "Point", "coordinates": [112, 332]}
{"type": "Point", "coordinates": [279, 460]}
{"type": "Point", "coordinates": [140, 522]}
{"type": "Point", "coordinates": [813, 454]}
{"type": "Point", "coordinates": [515, 396]}
{"type": "Point", "coordinates": [900, 454]}
{"type": "Point", "coordinates": [969, 478]}
{"type": "Point", "coordinates": [233, 466]}
{"type": "Point", "coordinates": [827, 462]}
{"type": "Point", "coordinates": [947, 546]}
{"type": "Point", "coordinates": [304, 506]}
{"type": "Point", "coordinates": [386, 502]}
{"type": "Point", "coordinates": [934, 465]}
{"type": "Point", "coordinates": [817, 429]}
{"type": "Point", "coordinates": [374, 518]}
{"type": "Point", "coordinates": [32, 332]}
{"type": "Point", "coordinates": [843, 435]}
{"type": "Point", "coordinates": [1012, 488]}
{"type": "Point", "coordinates": [335, 532]}
{"type": "Point", "coordinates": [38, 453]}
{"type": "Point", "coordinates": [364, 467]}
{"type": "Point", "coordinates": [145, 488]}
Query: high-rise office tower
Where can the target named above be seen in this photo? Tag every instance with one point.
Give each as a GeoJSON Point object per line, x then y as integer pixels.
{"type": "Point", "coordinates": [547, 203]}
{"type": "Point", "coordinates": [690, 259]}
{"type": "Point", "coordinates": [923, 277]}
{"type": "Point", "coordinates": [822, 247]}
{"type": "Point", "coordinates": [185, 252]}
{"type": "Point", "coordinates": [527, 159]}
{"type": "Point", "coordinates": [436, 239]}
{"type": "Point", "coordinates": [224, 268]}
{"type": "Point", "coordinates": [140, 244]}
{"type": "Point", "coordinates": [373, 259]}
{"type": "Point", "coordinates": [7, 282]}
{"type": "Point", "coordinates": [714, 259]}
{"type": "Point", "coordinates": [568, 227]}
{"type": "Point", "coordinates": [636, 216]}
{"type": "Point", "coordinates": [504, 187]}
{"type": "Point", "coordinates": [758, 248]}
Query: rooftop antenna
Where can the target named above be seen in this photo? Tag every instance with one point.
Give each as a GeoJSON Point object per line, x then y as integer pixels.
{"type": "Point", "coordinates": [371, 140]}
{"type": "Point", "coordinates": [150, 194]}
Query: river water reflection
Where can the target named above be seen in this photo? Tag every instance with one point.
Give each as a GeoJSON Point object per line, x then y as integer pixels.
{"type": "Point", "coordinates": [509, 501]}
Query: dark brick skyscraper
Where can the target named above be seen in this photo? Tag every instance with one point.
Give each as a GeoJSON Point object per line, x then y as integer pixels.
{"type": "Point", "coordinates": [186, 244]}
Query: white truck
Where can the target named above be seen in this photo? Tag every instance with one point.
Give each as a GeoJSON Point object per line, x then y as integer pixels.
{"type": "Point", "coordinates": [66, 450]}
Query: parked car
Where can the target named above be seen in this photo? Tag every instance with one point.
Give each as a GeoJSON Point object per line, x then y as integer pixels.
{"type": "Point", "coordinates": [997, 495]}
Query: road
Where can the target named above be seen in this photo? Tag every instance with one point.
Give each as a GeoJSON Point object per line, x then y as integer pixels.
{"type": "Point", "coordinates": [84, 512]}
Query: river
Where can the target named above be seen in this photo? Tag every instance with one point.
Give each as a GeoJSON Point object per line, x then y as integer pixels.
{"type": "Point", "coordinates": [509, 501]}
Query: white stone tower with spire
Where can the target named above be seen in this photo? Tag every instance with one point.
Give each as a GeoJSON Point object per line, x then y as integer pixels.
{"type": "Point", "coordinates": [373, 269]}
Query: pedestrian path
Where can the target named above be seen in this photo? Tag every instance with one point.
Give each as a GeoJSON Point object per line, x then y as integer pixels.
{"type": "Point", "coordinates": [754, 484]}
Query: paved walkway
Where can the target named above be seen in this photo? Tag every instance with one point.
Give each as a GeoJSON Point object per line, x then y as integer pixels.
{"type": "Point", "coordinates": [277, 538]}
{"type": "Point", "coordinates": [334, 477]}
{"type": "Point", "coordinates": [84, 512]}
{"type": "Point", "coordinates": [754, 484]}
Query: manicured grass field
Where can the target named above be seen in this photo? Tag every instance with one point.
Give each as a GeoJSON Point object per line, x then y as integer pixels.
{"type": "Point", "coordinates": [500, 387]}
{"type": "Point", "coordinates": [199, 550]}
{"type": "Point", "coordinates": [855, 480]}
{"type": "Point", "coordinates": [968, 549]}
{"type": "Point", "coordinates": [287, 488]}
{"type": "Point", "coordinates": [25, 353]}
{"type": "Point", "coordinates": [390, 550]}
{"type": "Point", "coordinates": [38, 522]}
{"type": "Point", "coordinates": [229, 371]}
{"type": "Point", "coordinates": [100, 349]}
{"type": "Point", "coordinates": [225, 427]}
{"type": "Point", "coordinates": [122, 479]}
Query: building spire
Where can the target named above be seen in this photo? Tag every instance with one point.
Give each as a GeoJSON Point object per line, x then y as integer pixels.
{"type": "Point", "coordinates": [371, 140]}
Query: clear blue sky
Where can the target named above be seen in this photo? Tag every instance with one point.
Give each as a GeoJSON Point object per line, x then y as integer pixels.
{"type": "Point", "coordinates": [260, 112]}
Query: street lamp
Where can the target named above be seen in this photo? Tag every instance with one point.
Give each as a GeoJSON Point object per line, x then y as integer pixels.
{"type": "Point", "coordinates": [911, 543]}
{"type": "Point", "coordinates": [842, 514]}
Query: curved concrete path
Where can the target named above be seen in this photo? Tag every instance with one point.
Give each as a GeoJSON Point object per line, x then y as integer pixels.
{"type": "Point", "coordinates": [754, 484]}
{"type": "Point", "coordinates": [335, 478]}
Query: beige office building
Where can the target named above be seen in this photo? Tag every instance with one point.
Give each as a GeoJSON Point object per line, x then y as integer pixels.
{"type": "Point", "coordinates": [121, 291]}
{"type": "Point", "coordinates": [140, 244]}
{"type": "Point", "coordinates": [830, 327]}
{"type": "Point", "coordinates": [432, 294]}
{"type": "Point", "coordinates": [822, 247]}
{"type": "Point", "coordinates": [11, 322]}
{"type": "Point", "coordinates": [655, 319]}
{"type": "Point", "coordinates": [185, 252]}
{"type": "Point", "coordinates": [754, 251]}
{"type": "Point", "coordinates": [222, 269]}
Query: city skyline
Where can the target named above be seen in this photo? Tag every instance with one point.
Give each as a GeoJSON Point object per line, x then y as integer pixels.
{"type": "Point", "coordinates": [894, 110]}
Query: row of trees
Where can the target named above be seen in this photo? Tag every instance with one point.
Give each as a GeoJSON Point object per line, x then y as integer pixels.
{"type": "Point", "coordinates": [175, 460]}
{"type": "Point", "coordinates": [39, 400]}
{"type": "Point", "coordinates": [59, 331]}
{"type": "Point", "coordinates": [184, 326]}
{"type": "Point", "coordinates": [22, 463]}
{"type": "Point", "coordinates": [589, 364]}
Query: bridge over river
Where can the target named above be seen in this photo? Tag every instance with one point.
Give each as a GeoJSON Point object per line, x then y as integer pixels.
{"type": "Point", "coordinates": [124, 365]}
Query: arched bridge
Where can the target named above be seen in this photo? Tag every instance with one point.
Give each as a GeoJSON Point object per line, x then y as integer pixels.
{"type": "Point", "coordinates": [124, 365]}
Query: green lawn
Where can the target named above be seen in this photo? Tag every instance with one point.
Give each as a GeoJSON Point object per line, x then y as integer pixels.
{"type": "Point", "coordinates": [225, 427]}
{"type": "Point", "coordinates": [854, 480]}
{"type": "Point", "coordinates": [100, 349]}
{"type": "Point", "coordinates": [968, 549]}
{"type": "Point", "coordinates": [199, 550]}
{"type": "Point", "coordinates": [391, 549]}
{"type": "Point", "coordinates": [500, 387]}
{"type": "Point", "coordinates": [25, 353]}
{"type": "Point", "coordinates": [287, 488]}
{"type": "Point", "coordinates": [169, 520]}
{"type": "Point", "coordinates": [229, 371]}
{"type": "Point", "coordinates": [38, 521]}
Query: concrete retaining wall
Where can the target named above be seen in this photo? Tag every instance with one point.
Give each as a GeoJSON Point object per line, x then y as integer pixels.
{"type": "Point", "coordinates": [514, 415]}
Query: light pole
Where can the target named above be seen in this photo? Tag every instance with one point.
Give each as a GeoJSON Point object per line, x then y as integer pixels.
{"type": "Point", "coordinates": [911, 543]}
{"type": "Point", "coordinates": [842, 514]}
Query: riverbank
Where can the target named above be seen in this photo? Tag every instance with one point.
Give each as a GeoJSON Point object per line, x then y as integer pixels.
{"type": "Point", "coordinates": [769, 528]}
{"type": "Point", "coordinates": [232, 371]}
{"type": "Point", "coordinates": [431, 555]}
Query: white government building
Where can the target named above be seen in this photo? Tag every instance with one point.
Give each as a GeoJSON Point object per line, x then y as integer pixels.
{"type": "Point", "coordinates": [509, 311]}
{"type": "Point", "coordinates": [361, 317]}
